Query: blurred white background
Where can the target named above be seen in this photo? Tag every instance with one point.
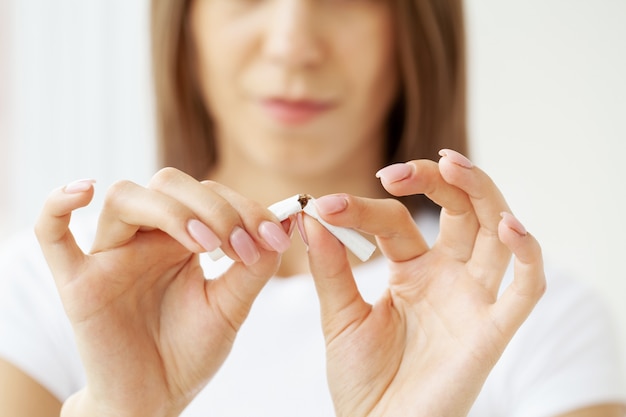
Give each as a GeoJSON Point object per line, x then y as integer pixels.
{"type": "Point", "coordinates": [547, 115]}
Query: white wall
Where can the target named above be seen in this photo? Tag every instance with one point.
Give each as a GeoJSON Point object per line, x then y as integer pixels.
{"type": "Point", "coordinates": [548, 116]}
{"type": "Point", "coordinates": [81, 99]}
{"type": "Point", "coordinates": [6, 22]}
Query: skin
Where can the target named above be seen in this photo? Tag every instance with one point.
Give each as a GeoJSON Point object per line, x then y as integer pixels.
{"type": "Point", "coordinates": [20, 395]}
{"type": "Point", "coordinates": [419, 317]}
{"type": "Point", "coordinates": [122, 309]}
{"type": "Point", "coordinates": [296, 49]}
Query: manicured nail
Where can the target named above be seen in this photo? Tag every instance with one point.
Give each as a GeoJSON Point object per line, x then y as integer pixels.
{"type": "Point", "coordinates": [301, 229]}
{"type": "Point", "coordinates": [395, 172]}
{"type": "Point", "coordinates": [79, 186]}
{"type": "Point", "coordinates": [275, 236]}
{"type": "Point", "coordinates": [330, 204]}
{"type": "Point", "coordinates": [203, 235]}
{"type": "Point", "coordinates": [289, 225]}
{"type": "Point", "coordinates": [244, 246]}
{"type": "Point", "coordinates": [512, 223]}
{"type": "Point", "coordinates": [456, 158]}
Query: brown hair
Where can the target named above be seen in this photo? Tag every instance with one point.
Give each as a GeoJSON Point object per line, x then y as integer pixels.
{"type": "Point", "coordinates": [429, 114]}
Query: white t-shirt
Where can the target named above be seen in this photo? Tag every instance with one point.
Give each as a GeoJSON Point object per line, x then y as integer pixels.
{"type": "Point", "coordinates": [564, 357]}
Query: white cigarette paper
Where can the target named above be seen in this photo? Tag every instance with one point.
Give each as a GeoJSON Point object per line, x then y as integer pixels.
{"type": "Point", "coordinates": [289, 206]}
{"type": "Point", "coordinates": [351, 239]}
{"type": "Point", "coordinates": [358, 245]}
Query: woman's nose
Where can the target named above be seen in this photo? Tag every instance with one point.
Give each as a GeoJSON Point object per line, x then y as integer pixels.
{"type": "Point", "coordinates": [292, 36]}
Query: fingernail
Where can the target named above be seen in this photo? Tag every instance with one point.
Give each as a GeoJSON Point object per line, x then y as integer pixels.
{"type": "Point", "coordinates": [203, 235]}
{"type": "Point", "coordinates": [288, 225]}
{"type": "Point", "coordinates": [79, 186]}
{"type": "Point", "coordinates": [330, 204]}
{"type": "Point", "coordinates": [244, 246]}
{"type": "Point", "coordinates": [456, 158]}
{"type": "Point", "coordinates": [512, 223]}
{"type": "Point", "coordinates": [275, 236]}
{"type": "Point", "coordinates": [395, 172]}
{"type": "Point", "coordinates": [301, 229]}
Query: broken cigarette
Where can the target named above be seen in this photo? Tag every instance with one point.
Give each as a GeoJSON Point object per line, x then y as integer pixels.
{"type": "Point", "coordinates": [289, 206]}
{"type": "Point", "coordinates": [357, 244]}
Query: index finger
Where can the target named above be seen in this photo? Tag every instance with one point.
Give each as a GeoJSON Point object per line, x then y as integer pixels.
{"type": "Point", "coordinates": [458, 225]}
{"type": "Point", "coordinates": [389, 220]}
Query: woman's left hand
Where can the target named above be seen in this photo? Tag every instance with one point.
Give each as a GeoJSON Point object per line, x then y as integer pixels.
{"type": "Point", "coordinates": [426, 347]}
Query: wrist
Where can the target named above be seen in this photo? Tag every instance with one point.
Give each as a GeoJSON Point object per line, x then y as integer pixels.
{"type": "Point", "coordinates": [81, 405]}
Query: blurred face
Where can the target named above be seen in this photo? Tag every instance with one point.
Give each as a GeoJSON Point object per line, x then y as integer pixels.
{"type": "Point", "coordinates": [302, 86]}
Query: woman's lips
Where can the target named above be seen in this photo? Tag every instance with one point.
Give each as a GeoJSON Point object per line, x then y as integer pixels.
{"type": "Point", "coordinates": [294, 112]}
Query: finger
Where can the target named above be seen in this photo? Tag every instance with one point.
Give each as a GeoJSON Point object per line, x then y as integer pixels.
{"type": "Point", "coordinates": [529, 283]}
{"type": "Point", "coordinates": [389, 220]}
{"type": "Point", "coordinates": [129, 208]}
{"type": "Point", "coordinates": [341, 303]}
{"type": "Point", "coordinates": [490, 256]}
{"type": "Point", "coordinates": [52, 229]}
{"type": "Point", "coordinates": [262, 225]}
{"type": "Point", "coordinates": [485, 197]}
{"type": "Point", "coordinates": [459, 225]}
{"type": "Point", "coordinates": [242, 225]}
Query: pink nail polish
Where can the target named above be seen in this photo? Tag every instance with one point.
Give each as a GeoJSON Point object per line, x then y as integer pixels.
{"type": "Point", "coordinates": [79, 186]}
{"type": "Point", "coordinates": [244, 246]}
{"type": "Point", "coordinates": [203, 235]}
{"type": "Point", "coordinates": [456, 158]}
{"type": "Point", "coordinates": [289, 225]}
{"type": "Point", "coordinates": [275, 236]}
{"type": "Point", "coordinates": [512, 223]}
{"type": "Point", "coordinates": [330, 204]}
{"type": "Point", "coordinates": [301, 229]}
{"type": "Point", "coordinates": [395, 172]}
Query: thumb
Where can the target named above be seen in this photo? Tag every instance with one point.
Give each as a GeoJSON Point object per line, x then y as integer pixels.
{"type": "Point", "coordinates": [341, 303]}
{"type": "Point", "coordinates": [57, 243]}
{"type": "Point", "coordinates": [235, 291]}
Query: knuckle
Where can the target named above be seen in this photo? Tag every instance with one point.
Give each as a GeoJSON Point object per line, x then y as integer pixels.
{"type": "Point", "coordinates": [399, 211]}
{"type": "Point", "coordinates": [117, 192]}
{"type": "Point", "coordinates": [534, 288]}
{"type": "Point", "coordinates": [40, 230]}
{"type": "Point", "coordinates": [542, 287]}
{"type": "Point", "coordinates": [165, 177]}
{"type": "Point", "coordinates": [251, 206]}
{"type": "Point", "coordinates": [218, 188]}
{"type": "Point", "coordinates": [173, 210]}
{"type": "Point", "coordinates": [209, 184]}
{"type": "Point", "coordinates": [221, 209]}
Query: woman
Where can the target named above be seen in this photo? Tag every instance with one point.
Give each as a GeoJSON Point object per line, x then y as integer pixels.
{"type": "Point", "coordinates": [270, 99]}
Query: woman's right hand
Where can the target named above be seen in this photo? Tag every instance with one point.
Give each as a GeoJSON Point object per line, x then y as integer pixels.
{"type": "Point", "coordinates": [151, 330]}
